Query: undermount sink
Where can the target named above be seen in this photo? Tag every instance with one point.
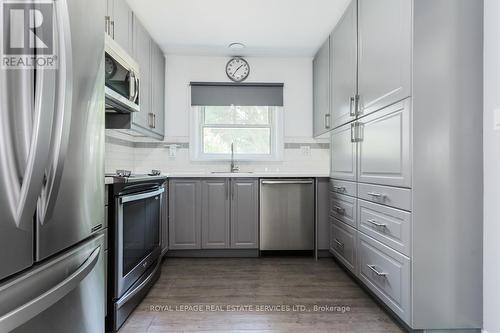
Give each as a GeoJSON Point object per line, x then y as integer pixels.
{"type": "Point", "coordinates": [232, 173]}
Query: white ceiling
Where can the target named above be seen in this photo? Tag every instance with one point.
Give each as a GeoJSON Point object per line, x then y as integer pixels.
{"type": "Point", "coordinates": [266, 27]}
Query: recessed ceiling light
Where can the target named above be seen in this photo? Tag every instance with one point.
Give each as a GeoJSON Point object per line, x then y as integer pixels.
{"type": "Point", "coordinates": [236, 46]}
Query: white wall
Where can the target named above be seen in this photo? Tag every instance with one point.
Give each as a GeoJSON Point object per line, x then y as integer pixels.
{"type": "Point", "coordinates": [491, 259]}
{"type": "Point", "coordinates": [295, 73]}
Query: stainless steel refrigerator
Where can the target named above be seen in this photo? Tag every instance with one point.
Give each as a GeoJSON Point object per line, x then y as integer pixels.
{"type": "Point", "coordinates": [51, 180]}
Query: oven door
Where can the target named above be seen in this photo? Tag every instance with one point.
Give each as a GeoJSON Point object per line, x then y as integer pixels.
{"type": "Point", "coordinates": [137, 235]}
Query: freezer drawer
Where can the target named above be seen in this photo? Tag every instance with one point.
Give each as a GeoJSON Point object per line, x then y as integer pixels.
{"type": "Point", "coordinates": [286, 214]}
{"type": "Point", "coordinates": [65, 294]}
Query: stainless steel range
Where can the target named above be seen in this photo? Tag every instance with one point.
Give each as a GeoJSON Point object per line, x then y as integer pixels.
{"type": "Point", "coordinates": [135, 229]}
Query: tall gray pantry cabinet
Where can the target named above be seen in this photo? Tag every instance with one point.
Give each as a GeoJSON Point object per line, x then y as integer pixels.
{"type": "Point", "coordinates": [406, 157]}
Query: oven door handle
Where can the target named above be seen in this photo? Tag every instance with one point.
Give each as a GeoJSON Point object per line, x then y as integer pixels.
{"type": "Point", "coordinates": [135, 197]}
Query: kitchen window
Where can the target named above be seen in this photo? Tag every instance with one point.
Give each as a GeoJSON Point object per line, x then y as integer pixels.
{"type": "Point", "coordinates": [254, 131]}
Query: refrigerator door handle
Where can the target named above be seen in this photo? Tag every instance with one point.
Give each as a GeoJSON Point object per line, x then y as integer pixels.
{"type": "Point", "coordinates": [24, 313]}
{"type": "Point", "coordinates": [62, 119]}
{"type": "Point", "coordinates": [25, 203]}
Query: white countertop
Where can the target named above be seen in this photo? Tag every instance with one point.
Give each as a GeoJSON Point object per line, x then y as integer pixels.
{"type": "Point", "coordinates": [110, 180]}
{"type": "Point", "coordinates": [246, 175]}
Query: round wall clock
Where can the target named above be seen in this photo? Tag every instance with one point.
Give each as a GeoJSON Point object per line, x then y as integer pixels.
{"type": "Point", "coordinates": [237, 69]}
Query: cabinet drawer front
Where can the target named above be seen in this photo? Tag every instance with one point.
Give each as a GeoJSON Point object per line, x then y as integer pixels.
{"type": "Point", "coordinates": [389, 226]}
{"type": "Point", "coordinates": [386, 195]}
{"type": "Point", "coordinates": [343, 187]}
{"type": "Point", "coordinates": [386, 273]}
{"type": "Point", "coordinates": [343, 243]}
{"type": "Point", "coordinates": [343, 208]}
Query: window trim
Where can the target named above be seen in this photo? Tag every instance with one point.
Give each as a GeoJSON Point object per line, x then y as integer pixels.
{"type": "Point", "coordinates": [196, 139]}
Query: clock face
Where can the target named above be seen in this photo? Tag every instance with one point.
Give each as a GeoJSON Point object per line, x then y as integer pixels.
{"type": "Point", "coordinates": [237, 69]}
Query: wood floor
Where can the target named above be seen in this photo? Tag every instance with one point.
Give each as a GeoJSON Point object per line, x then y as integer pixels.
{"type": "Point", "coordinates": [188, 286]}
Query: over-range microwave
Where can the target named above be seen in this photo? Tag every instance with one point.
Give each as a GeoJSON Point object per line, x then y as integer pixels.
{"type": "Point", "coordinates": [122, 79]}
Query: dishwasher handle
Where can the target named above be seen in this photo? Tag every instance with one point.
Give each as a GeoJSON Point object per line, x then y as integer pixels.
{"type": "Point", "coordinates": [291, 181]}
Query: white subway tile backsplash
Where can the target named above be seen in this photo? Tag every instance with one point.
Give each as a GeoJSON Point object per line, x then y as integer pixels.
{"type": "Point", "coordinates": [143, 158]}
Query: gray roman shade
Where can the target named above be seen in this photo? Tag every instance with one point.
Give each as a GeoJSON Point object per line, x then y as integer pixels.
{"type": "Point", "coordinates": [243, 94]}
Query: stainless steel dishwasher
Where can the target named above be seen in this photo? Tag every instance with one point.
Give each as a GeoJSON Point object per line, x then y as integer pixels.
{"type": "Point", "coordinates": [286, 214]}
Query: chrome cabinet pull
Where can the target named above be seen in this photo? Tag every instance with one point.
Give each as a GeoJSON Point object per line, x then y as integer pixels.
{"type": "Point", "coordinates": [107, 21]}
{"type": "Point", "coordinates": [376, 271]}
{"type": "Point", "coordinates": [377, 224]}
{"type": "Point", "coordinates": [113, 29]}
{"type": "Point", "coordinates": [340, 244]}
{"type": "Point", "coordinates": [339, 210]}
{"type": "Point", "coordinates": [375, 194]}
{"type": "Point", "coordinates": [339, 188]}
{"type": "Point", "coordinates": [357, 105]}
{"type": "Point", "coordinates": [353, 132]}
{"type": "Point", "coordinates": [327, 121]}
{"type": "Point", "coordinates": [151, 114]}
{"type": "Point", "coordinates": [352, 113]}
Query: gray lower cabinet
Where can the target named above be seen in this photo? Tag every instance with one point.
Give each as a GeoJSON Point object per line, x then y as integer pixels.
{"type": "Point", "coordinates": [164, 222]}
{"type": "Point", "coordinates": [184, 214]}
{"type": "Point", "coordinates": [244, 213]}
{"type": "Point", "coordinates": [215, 214]}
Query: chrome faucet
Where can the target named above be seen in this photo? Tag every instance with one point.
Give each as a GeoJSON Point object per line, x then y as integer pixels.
{"type": "Point", "coordinates": [234, 168]}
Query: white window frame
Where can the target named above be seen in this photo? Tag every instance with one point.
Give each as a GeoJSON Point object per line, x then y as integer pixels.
{"type": "Point", "coordinates": [196, 139]}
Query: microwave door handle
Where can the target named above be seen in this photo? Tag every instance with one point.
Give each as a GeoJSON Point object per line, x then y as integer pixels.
{"type": "Point", "coordinates": [131, 86]}
{"type": "Point", "coordinates": [141, 196]}
{"type": "Point", "coordinates": [136, 85]}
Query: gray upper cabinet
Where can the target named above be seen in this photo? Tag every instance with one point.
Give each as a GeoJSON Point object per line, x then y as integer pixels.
{"type": "Point", "coordinates": [343, 154]}
{"type": "Point", "coordinates": [244, 213]}
{"type": "Point", "coordinates": [142, 54]}
{"type": "Point", "coordinates": [121, 24]}
{"type": "Point", "coordinates": [384, 53]}
{"type": "Point", "coordinates": [185, 214]}
{"type": "Point", "coordinates": [384, 146]}
{"type": "Point", "coordinates": [321, 89]}
{"type": "Point", "coordinates": [343, 61]}
{"type": "Point", "coordinates": [127, 31]}
{"type": "Point", "coordinates": [158, 89]}
{"type": "Point", "coordinates": [215, 214]}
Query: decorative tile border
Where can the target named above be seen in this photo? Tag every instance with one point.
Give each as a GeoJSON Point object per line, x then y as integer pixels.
{"type": "Point", "coordinates": [185, 145]}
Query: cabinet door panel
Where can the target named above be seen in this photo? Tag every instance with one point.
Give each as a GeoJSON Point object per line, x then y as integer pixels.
{"type": "Point", "coordinates": [121, 29]}
{"type": "Point", "coordinates": [343, 154]}
{"type": "Point", "coordinates": [244, 213]}
{"type": "Point", "coordinates": [215, 214]}
{"type": "Point", "coordinates": [321, 89]}
{"type": "Point", "coordinates": [384, 52]}
{"type": "Point", "coordinates": [142, 54]}
{"type": "Point", "coordinates": [158, 88]}
{"type": "Point", "coordinates": [344, 62]}
{"type": "Point", "coordinates": [185, 213]}
{"type": "Point", "coordinates": [384, 150]}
